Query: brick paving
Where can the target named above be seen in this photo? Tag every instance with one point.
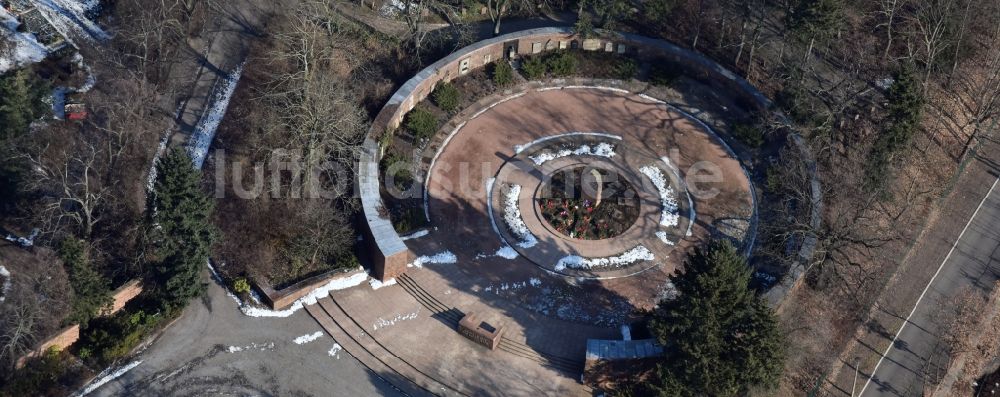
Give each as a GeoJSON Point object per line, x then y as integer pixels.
{"type": "Point", "coordinates": [408, 330]}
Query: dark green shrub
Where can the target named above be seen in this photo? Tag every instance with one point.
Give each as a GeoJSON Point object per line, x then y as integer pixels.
{"type": "Point", "coordinates": [626, 69]}
{"type": "Point", "coordinates": [49, 374]}
{"type": "Point", "coordinates": [347, 260]}
{"type": "Point", "coordinates": [110, 338]}
{"type": "Point", "coordinates": [409, 219]}
{"type": "Point", "coordinates": [664, 73]}
{"type": "Point", "coordinates": [751, 134]}
{"type": "Point", "coordinates": [421, 123]}
{"type": "Point", "coordinates": [561, 63]}
{"type": "Point", "coordinates": [241, 286]}
{"type": "Point", "coordinates": [533, 68]}
{"type": "Point", "coordinates": [396, 169]}
{"type": "Point", "coordinates": [447, 97]}
{"type": "Point", "coordinates": [503, 74]}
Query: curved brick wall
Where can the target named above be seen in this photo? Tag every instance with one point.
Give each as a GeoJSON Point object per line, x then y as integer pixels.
{"type": "Point", "coordinates": [388, 251]}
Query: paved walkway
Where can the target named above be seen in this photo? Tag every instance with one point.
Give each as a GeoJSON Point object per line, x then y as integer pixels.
{"type": "Point", "coordinates": [214, 349]}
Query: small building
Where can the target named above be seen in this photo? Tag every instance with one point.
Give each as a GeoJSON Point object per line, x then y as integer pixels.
{"type": "Point", "coordinates": [76, 111]}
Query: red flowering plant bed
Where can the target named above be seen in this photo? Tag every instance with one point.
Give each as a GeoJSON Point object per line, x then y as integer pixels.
{"type": "Point", "coordinates": [588, 203]}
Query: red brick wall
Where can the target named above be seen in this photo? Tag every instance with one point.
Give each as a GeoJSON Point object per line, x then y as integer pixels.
{"type": "Point", "coordinates": [66, 337]}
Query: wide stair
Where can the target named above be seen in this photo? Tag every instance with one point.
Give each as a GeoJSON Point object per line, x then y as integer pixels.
{"type": "Point", "coordinates": [372, 354]}
{"type": "Point", "coordinates": [452, 316]}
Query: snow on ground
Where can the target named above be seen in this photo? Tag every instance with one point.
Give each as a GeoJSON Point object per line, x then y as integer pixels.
{"type": "Point", "coordinates": [668, 214]}
{"type": "Point", "coordinates": [602, 149]}
{"type": "Point", "coordinates": [69, 17]}
{"type": "Point", "coordinates": [24, 242]}
{"type": "Point", "coordinates": [6, 282]}
{"type": "Point", "coordinates": [662, 235]}
{"type": "Point", "coordinates": [376, 284]}
{"type": "Point", "coordinates": [204, 131]}
{"type": "Point", "coordinates": [308, 338]}
{"type": "Point", "coordinates": [417, 234]}
{"type": "Point", "coordinates": [91, 80]}
{"type": "Point", "coordinates": [253, 346]}
{"type": "Point", "coordinates": [506, 252]}
{"type": "Point", "coordinates": [512, 215]}
{"type": "Point", "coordinates": [639, 253]}
{"type": "Point", "coordinates": [310, 299]}
{"type": "Point", "coordinates": [25, 46]}
{"type": "Point", "coordinates": [502, 287]}
{"type": "Point", "coordinates": [106, 376]}
{"type": "Point", "coordinates": [335, 351]}
{"type": "Point", "coordinates": [382, 323]}
{"type": "Point", "coordinates": [444, 257]}
{"type": "Point", "coordinates": [520, 148]}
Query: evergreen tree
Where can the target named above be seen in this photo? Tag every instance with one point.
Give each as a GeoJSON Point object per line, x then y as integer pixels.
{"type": "Point", "coordinates": [719, 338]}
{"type": "Point", "coordinates": [904, 104]}
{"type": "Point", "coordinates": [91, 291]}
{"type": "Point", "coordinates": [183, 230]}
{"type": "Point", "coordinates": [21, 102]}
{"type": "Point", "coordinates": [815, 20]}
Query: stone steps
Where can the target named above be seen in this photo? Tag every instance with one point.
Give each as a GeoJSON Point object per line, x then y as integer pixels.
{"type": "Point", "coordinates": [369, 346]}
{"type": "Point", "coordinates": [453, 316]}
{"type": "Point", "coordinates": [351, 346]}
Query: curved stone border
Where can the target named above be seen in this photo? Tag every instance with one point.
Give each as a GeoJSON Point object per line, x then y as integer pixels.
{"type": "Point", "coordinates": [389, 252]}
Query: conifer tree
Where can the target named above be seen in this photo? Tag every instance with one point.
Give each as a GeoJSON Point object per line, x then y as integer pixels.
{"type": "Point", "coordinates": [91, 291]}
{"type": "Point", "coordinates": [20, 102]}
{"type": "Point", "coordinates": [719, 338]}
{"type": "Point", "coordinates": [181, 215]}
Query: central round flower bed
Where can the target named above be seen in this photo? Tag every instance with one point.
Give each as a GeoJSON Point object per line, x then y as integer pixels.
{"type": "Point", "coordinates": [588, 203]}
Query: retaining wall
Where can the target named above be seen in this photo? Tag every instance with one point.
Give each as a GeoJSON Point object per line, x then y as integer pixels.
{"type": "Point", "coordinates": [66, 337]}
{"type": "Point", "coordinates": [280, 299]}
{"type": "Point", "coordinates": [389, 252]}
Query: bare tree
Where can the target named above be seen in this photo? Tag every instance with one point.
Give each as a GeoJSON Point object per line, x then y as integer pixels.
{"type": "Point", "coordinates": [931, 28]}
{"type": "Point", "coordinates": [889, 9]}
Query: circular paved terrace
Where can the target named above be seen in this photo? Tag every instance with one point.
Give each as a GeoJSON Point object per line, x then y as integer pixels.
{"type": "Point", "coordinates": [473, 173]}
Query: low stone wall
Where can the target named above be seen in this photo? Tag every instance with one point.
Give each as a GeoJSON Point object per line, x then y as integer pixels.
{"type": "Point", "coordinates": [125, 293]}
{"type": "Point", "coordinates": [389, 252]}
{"type": "Point", "coordinates": [66, 337]}
{"type": "Point", "coordinates": [280, 299]}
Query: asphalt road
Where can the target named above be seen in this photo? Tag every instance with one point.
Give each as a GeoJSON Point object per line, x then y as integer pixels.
{"type": "Point", "coordinates": [916, 351]}
{"type": "Point", "coordinates": [216, 350]}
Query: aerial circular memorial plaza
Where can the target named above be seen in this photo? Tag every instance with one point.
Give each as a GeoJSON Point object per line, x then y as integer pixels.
{"type": "Point", "coordinates": [551, 214]}
{"type": "Point", "coordinates": [584, 189]}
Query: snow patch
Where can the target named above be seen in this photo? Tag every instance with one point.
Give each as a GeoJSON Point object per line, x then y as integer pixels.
{"type": "Point", "coordinates": [6, 283]}
{"type": "Point", "coordinates": [506, 252]}
{"type": "Point", "coordinates": [376, 284]}
{"type": "Point", "coordinates": [512, 215]}
{"type": "Point", "coordinates": [24, 242]}
{"type": "Point", "coordinates": [382, 323]}
{"type": "Point", "coordinates": [69, 18]}
{"type": "Point", "coordinates": [107, 376]}
{"type": "Point", "coordinates": [24, 47]}
{"type": "Point", "coordinates": [662, 235]}
{"type": "Point", "coordinates": [520, 148]}
{"type": "Point", "coordinates": [310, 299]}
{"type": "Point", "coordinates": [639, 253]}
{"type": "Point", "coordinates": [253, 346]}
{"type": "Point", "coordinates": [335, 351]}
{"type": "Point", "coordinates": [602, 149]}
{"type": "Point", "coordinates": [418, 234]}
{"type": "Point", "coordinates": [668, 214]}
{"type": "Point", "coordinates": [445, 257]}
{"type": "Point", "coordinates": [308, 338]}
{"type": "Point", "coordinates": [511, 287]}
{"type": "Point", "coordinates": [204, 131]}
